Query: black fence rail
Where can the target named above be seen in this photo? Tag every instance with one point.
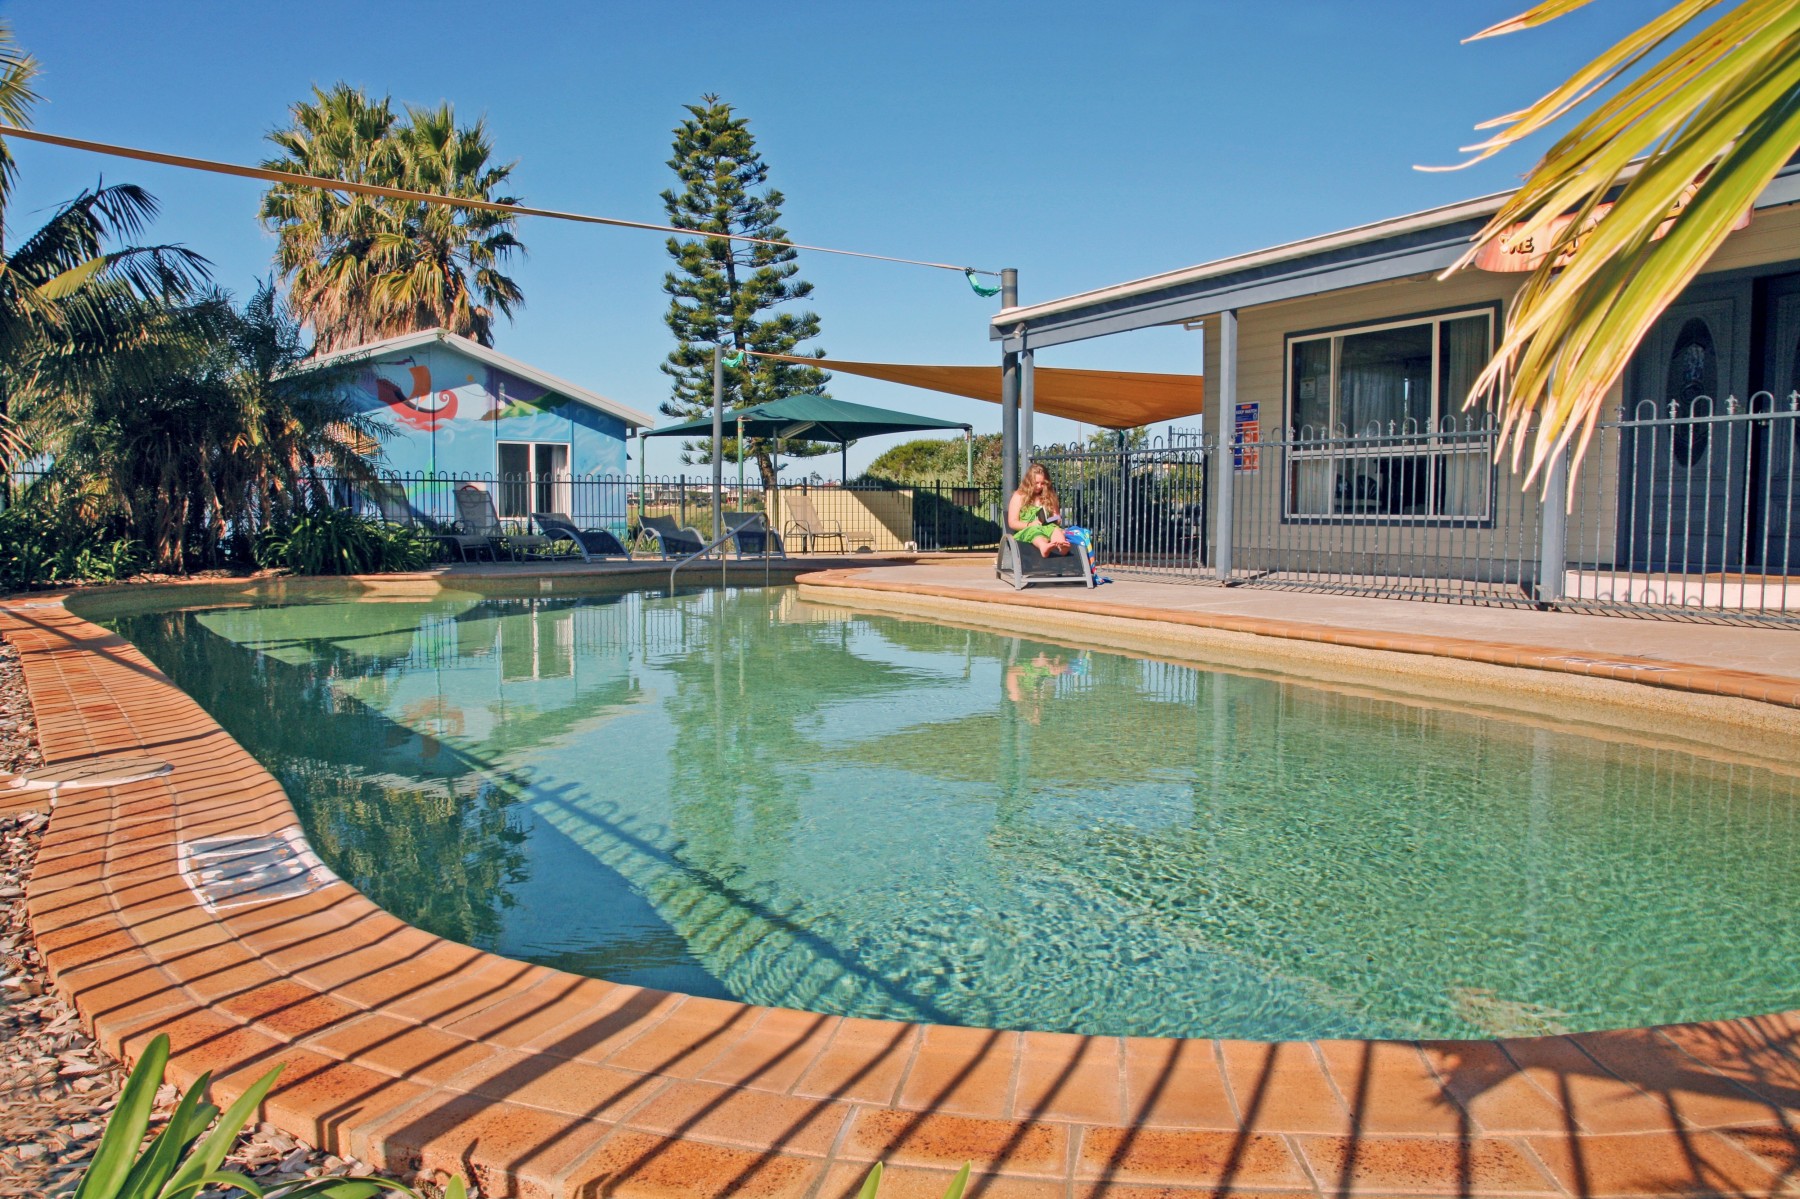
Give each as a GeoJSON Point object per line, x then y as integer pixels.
{"type": "Point", "coordinates": [1395, 511]}
{"type": "Point", "coordinates": [1687, 510]}
{"type": "Point", "coordinates": [1145, 505]}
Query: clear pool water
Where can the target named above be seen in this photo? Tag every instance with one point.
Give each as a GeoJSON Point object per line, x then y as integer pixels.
{"type": "Point", "coordinates": [739, 794]}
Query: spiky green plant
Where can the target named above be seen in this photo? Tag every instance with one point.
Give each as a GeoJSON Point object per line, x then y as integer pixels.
{"type": "Point", "coordinates": [1681, 149]}
{"type": "Point", "coordinates": [183, 1158]}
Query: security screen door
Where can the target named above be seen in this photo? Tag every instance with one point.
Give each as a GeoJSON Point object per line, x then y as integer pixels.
{"type": "Point", "coordinates": [1680, 475]}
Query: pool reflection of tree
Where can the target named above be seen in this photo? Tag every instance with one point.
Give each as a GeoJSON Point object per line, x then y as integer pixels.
{"type": "Point", "coordinates": [445, 849]}
{"type": "Point", "coordinates": [749, 693]}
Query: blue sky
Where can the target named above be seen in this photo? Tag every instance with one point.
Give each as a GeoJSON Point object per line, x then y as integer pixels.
{"type": "Point", "coordinates": [1083, 143]}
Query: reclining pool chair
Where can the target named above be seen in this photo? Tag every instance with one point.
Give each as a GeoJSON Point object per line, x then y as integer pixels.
{"type": "Point", "coordinates": [675, 541]}
{"type": "Point", "coordinates": [476, 527]}
{"type": "Point", "coordinates": [751, 535]}
{"type": "Point", "coordinates": [1021, 565]}
{"type": "Point", "coordinates": [590, 544]}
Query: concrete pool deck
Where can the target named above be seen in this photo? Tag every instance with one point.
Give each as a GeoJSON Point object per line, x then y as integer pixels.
{"type": "Point", "coordinates": [413, 1052]}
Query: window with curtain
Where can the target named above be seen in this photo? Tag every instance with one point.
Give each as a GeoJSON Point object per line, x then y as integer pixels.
{"type": "Point", "coordinates": [1377, 420]}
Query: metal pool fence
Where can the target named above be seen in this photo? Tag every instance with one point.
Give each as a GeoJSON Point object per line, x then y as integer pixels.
{"type": "Point", "coordinates": [813, 517]}
{"type": "Point", "coordinates": [1687, 510]}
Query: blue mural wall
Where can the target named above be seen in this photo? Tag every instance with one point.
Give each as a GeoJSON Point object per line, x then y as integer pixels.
{"type": "Point", "coordinates": [448, 415]}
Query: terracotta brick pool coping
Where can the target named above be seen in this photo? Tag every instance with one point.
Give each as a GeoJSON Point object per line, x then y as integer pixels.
{"type": "Point", "coordinates": [413, 1052]}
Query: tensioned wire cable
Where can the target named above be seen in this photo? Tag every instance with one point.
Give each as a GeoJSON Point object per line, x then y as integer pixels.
{"type": "Point", "coordinates": [401, 193]}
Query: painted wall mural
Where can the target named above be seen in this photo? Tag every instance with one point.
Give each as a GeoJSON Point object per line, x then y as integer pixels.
{"type": "Point", "coordinates": [450, 413]}
{"type": "Point", "coordinates": [451, 419]}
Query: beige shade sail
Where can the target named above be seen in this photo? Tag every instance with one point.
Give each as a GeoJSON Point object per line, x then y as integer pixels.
{"type": "Point", "coordinates": [1111, 399]}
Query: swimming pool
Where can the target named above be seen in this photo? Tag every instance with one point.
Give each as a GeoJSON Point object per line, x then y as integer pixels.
{"type": "Point", "coordinates": [740, 794]}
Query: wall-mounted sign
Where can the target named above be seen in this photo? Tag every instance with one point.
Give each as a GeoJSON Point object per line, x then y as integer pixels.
{"type": "Point", "coordinates": [1246, 433]}
{"type": "Point", "coordinates": [1510, 252]}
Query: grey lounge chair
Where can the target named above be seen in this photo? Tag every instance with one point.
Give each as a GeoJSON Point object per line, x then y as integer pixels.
{"type": "Point", "coordinates": [804, 520]}
{"type": "Point", "coordinates": [751, 535]}
{"type": "Point", "coordinates": [1021, 565]}
{"type": "Point", "coordinates": [388, 498]}
{"type": "Point", "coordinates": [590, 544]}
{"type": "Point", "coordinates": [675, 541]}
{"type": "Point", "coordinates": [476, 528]}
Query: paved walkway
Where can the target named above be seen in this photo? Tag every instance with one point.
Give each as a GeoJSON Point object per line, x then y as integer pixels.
{"type": "Point", "coordinates": [410, 1051]}
{"type": "Point", "coordinates": [1749, 662]}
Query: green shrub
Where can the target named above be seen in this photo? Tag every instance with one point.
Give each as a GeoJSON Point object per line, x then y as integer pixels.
{"type": "Point", "coordinates": [334, 541]}
{"type": "Point", "coordinates": [41, 545]}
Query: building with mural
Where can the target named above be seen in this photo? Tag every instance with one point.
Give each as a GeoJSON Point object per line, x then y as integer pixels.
{"type": "Point", "coordinates": [459, 410]}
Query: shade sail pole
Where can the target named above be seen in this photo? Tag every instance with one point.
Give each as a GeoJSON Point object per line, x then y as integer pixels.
{"type": "Point", "coordinates": [740, 456]}
{"type": "Point", "coordinates": [969, 456]}
{"type": "Point", "coordinates": [718, 446]}
{"type": "Point", "coordinates": [1027, 405]}
{"type": "Point", "coordinates": [1009, 394]}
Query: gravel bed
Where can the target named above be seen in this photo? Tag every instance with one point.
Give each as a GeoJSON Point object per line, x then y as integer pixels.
{"type": "Point", "coordinates": [57, 1087]}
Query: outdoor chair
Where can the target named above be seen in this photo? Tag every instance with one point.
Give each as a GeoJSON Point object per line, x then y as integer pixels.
{"type": "Point", "coordinates": [675, 541]}
{"type": "Point", "coordinates": [590, 544]}
{"type": "Point", "coordinates": [388, 498]}
{"type": "Point", "coordinates": [478, 527]}
{"type": "Point", "coordinates": [805, 521]}
{"type": "Point", "coordinates": [752, 537]}
{"type": "Point", "coordinates": [1021, 564]}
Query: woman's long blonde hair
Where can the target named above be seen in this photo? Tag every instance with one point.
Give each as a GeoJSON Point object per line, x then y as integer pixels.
{"type": "Point", "coordinates": [1027, 489]}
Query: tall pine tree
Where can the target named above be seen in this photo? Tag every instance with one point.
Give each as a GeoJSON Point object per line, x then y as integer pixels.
{"type": "Point", "coordinates": [722, 291]}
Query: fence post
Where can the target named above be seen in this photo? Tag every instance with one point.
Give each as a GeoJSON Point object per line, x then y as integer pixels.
{"type": "Point", "coordinates": [1553, 530]}
{"type": "Point", "coordinates": [1226, 406]}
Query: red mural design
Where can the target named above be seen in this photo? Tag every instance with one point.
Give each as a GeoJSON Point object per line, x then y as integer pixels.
{"type": "Point", "coordinates": [419, 409]}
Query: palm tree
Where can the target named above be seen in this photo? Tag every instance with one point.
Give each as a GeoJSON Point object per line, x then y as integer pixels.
{"type": "Point", "coordinates": [66, 302]}
{"type": "Point", "coordinates": [1629, 205]}
{"type": "Point", "coordinates": [361, 268]}
{"type": "Point", "coordinates": [206, 426]}
{"type": "Point", "coordinates": [325, 238]}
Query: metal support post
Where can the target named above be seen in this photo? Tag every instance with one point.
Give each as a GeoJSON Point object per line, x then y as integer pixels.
{"type": "Point", "coordinates": [718, 444]}
{"type": "Point", "coordinates": [1027, 403]}
{"type": "Point", "coordinates": [1227, 450]}
{"type": "Point", "coordinates": [1009, 394]}
{"type": "Point", "coordinates": [1553, 531]}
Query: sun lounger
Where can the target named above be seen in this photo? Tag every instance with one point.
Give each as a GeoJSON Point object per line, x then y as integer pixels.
{"type": "Point", "coordinates": [388, 498]}
{"type": "Point", "coordinates": [479, 527]}
{"type": "Point", "coordinates": [675, 541]}
{"type": "Point", "coordinates": [751, 536]}
{"type": "Point", "coordinates": [804, 521]}
{"type": "Point", "coordinates": [1021, 564]}
{"type": "Point", "coordinates": [476, 529]}
{"type": "Point", "coordinates": [590, 544]}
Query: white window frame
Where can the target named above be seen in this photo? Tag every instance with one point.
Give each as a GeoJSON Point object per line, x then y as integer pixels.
{"type": "Point", "coordinates": [561, 492]}
{"type": "Point", "coordinates": [1432, 442]}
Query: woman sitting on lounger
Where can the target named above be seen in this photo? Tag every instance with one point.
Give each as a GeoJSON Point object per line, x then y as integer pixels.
{"type": "Point", "coordinates": [1034, 511]}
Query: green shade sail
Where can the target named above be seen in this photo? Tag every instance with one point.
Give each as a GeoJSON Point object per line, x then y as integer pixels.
{"type": "Point", "coordinates": [812, 418]}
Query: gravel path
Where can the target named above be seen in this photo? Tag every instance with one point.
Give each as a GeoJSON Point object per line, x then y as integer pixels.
{"type": "Point", "coordinates": [57, 1086]}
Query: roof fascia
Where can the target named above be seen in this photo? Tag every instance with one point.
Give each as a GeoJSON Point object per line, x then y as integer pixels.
{"type": "Point", "coordinates": [1423, 242]}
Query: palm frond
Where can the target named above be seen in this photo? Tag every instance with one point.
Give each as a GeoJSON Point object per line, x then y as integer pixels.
{"type": "Point", "coordinates": [1630, 204]}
